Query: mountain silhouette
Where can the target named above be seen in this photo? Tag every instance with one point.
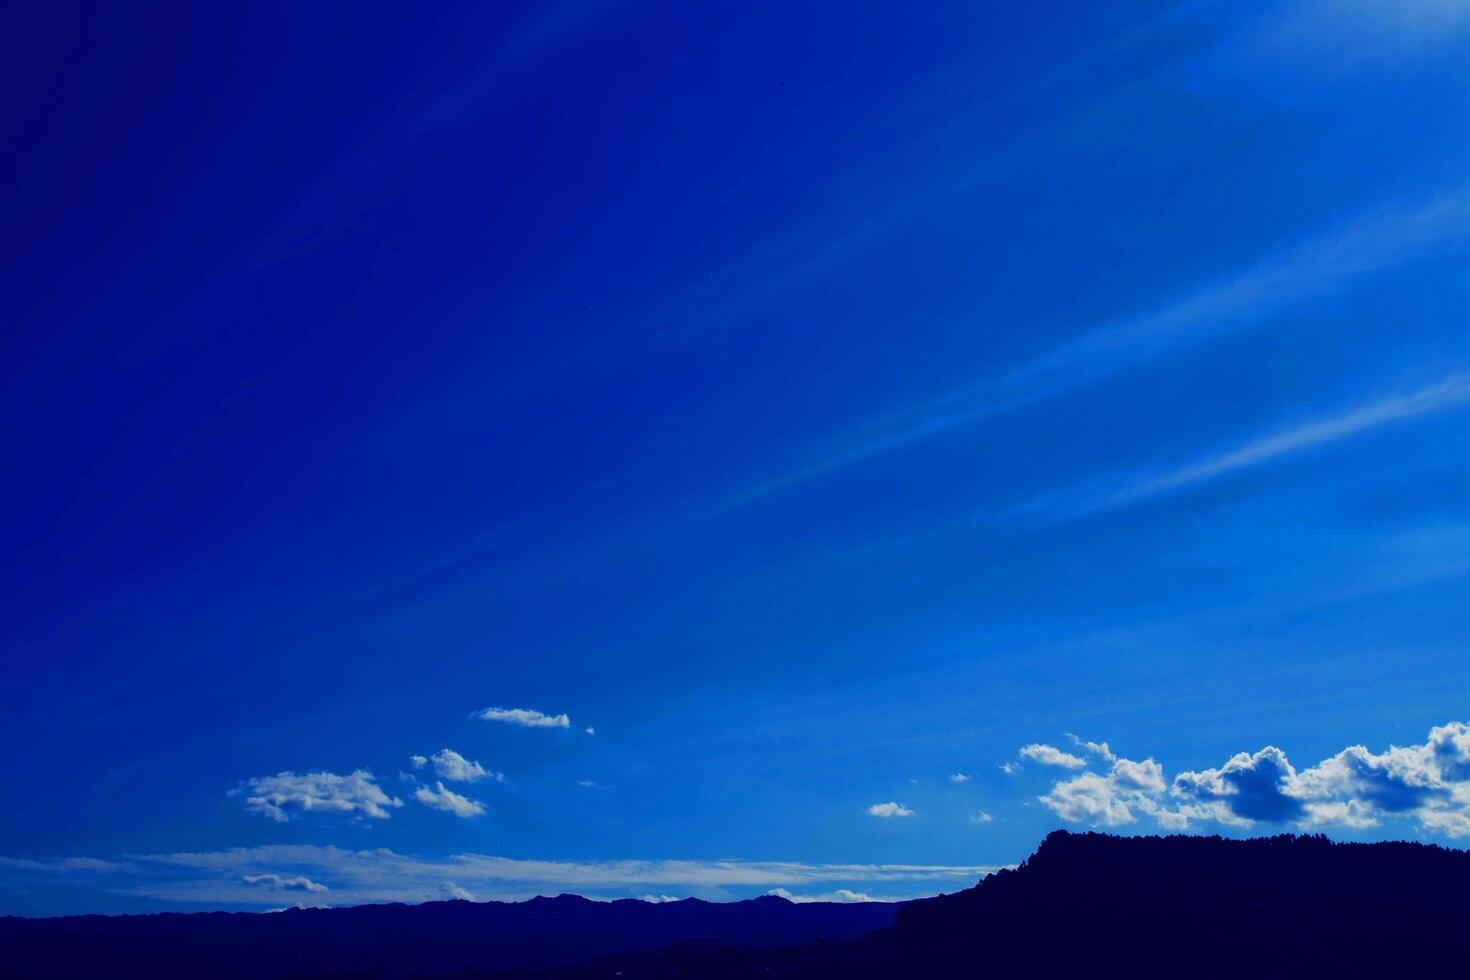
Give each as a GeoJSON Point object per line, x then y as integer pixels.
{"type": "Point", "coordinates": [1083, 906]}
{"type": "Point", "coordinates": [432, 939]}
{"type": "Point", "coordinates": [1088, 906]}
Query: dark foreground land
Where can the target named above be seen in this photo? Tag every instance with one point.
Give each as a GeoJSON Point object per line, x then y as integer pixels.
{"type": "Point", "coordinates": [1083, 906]}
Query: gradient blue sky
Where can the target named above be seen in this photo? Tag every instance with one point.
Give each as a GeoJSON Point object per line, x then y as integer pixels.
{"type": "Point", "coordinates": [817, 402]}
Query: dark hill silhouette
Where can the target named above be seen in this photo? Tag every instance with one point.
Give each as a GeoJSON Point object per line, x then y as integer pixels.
{"type": "Point", "coordinates": [1095, 906]}
{"type": "Point", "coordinates": [1083, 906]}
{"type": "Point", "coordinates": [436, 938]}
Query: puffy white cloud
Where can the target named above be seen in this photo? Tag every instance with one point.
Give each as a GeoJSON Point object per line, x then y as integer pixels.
{"type": "Point", "coordinates": [1049, 755]}
{"type": "Point", "coordinates": [450, 765]}
{"type": "Point", "coordinates": [887, 810]}
{"type": "Point", "coordinates": [524, 717]}
{"type": "Point", "coordinates": [1010, 768]}
{"type": "Point", "coordinates": [287, 793]}
{"type": "Point", "coordinates": [959, 777]}
{"type": "Point", "coordinates": [1427, 783]}
{"type": "Point", "coordinates": [442, 798]}
{"type": "Point", "coordinates": [980, 816]}
{"type": "Point", "coordinates": [275, 882]}
{"type": "Point", "coordinates": [1108, 799]}
{"type": "Point", "coordinates": [658, 899]}
{"type": "Point", "coordinates": [449, 890]}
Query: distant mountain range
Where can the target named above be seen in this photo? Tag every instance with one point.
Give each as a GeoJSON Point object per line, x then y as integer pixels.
{"type": "Point", "coordinates": [432, 939]}
{"type": "Point", "coordinates": [1084, 906]}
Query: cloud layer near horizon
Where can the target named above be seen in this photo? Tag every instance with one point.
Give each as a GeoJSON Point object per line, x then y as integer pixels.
{"type": "Point", "coordinates": [258, 875]}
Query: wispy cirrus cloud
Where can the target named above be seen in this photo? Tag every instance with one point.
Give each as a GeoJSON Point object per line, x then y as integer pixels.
{"type": "Point", "coordinates": [1121, 489]}
{"type": "Point", "coordinates": [1376, 241]}
{"type": "Point", "coordinates": [70, 865]}
{"type": "Point", "coordinates": [523, 717]}
{"type": "Point", "coordinates": [288, 794]}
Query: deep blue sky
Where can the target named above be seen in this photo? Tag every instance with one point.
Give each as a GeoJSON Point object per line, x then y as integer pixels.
{"type": "Point", "coordinates": [817, 401]}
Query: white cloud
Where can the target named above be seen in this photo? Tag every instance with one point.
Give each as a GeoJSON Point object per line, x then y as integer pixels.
{"type": "Point", "coordinates": [449, 890]}
{"type": "Point", "coordinates": [658, 899]}
{"type": "Point", "coordinates": [844, 896]}
{"type": "Point", "coordinates": [887, 810]}
{"type": "Point", "coordinates": [1427, 784]}
{"type": "Point", "coordinates": [275, 882]}
{"type": "Point", "coordinates": [454, 767]}
{"type": "Point", "coordinates": [980, 816]}
{"type": "Point", "coordinates": [1049, 755]}
{"type": "Point", "coordinates": [1010, 768]}
{"type": "Point", "coordinates": [524, 717]}
{"type": "Point", "coordinates": [959, 777]}
{"type": "Point", "coordinates": [590, 730]}
{"type": "Point", "coordinates": [1108, 799]}
{"type": "Point", "coordinates": [1099, 749]}
{"type": "Point", "coordinates": [286, 793]}
{"type": "Point", "coordinates": [442, 798]}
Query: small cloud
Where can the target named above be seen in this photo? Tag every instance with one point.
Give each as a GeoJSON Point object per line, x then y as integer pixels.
{"type": "Point", "coordinates": [454, 767]}
{"type": "Point", "coordinates": [1049, 755]}
{"type": "Point", "coordinates": [960, 777]}
{"type": "Point", "coordinates": [590, 784]}
{"type": "Point", "coordinates": [277, 883]}
{"type": "Point", "coordinates": [440, 798]}
{"type": "Point", "coordinates": [524, 717]}
{"type": "Point", "coordinates": [657, 899]}
{"type": "Point", "coordinates": [286, 794]}
{"type": "Point", "coordinates": [888, 810]}
{"type": "Point", "coordinates": [590, 730]}
{"type": "Point", "coordinates": [844, 896]}
{"type": "Point", "coordinates": [1010, 768]}
{"type": "Point", "coordinates": [980, 816]}
{"type": "Point", "coordinates": [1099, 749]}
{"type": "Point", "coordinates": [452, 892]}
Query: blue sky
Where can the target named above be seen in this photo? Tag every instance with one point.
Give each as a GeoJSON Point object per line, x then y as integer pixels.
{"type": "Point", "coordinates": [647, 449]}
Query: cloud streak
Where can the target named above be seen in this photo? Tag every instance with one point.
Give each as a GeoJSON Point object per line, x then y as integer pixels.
{"type": "Point", "coordinates": [1376, 241]}
{"type": "Point", "coordinates": [523, 717]}
{"type": "Point", "coordinates": [1120, 490]}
